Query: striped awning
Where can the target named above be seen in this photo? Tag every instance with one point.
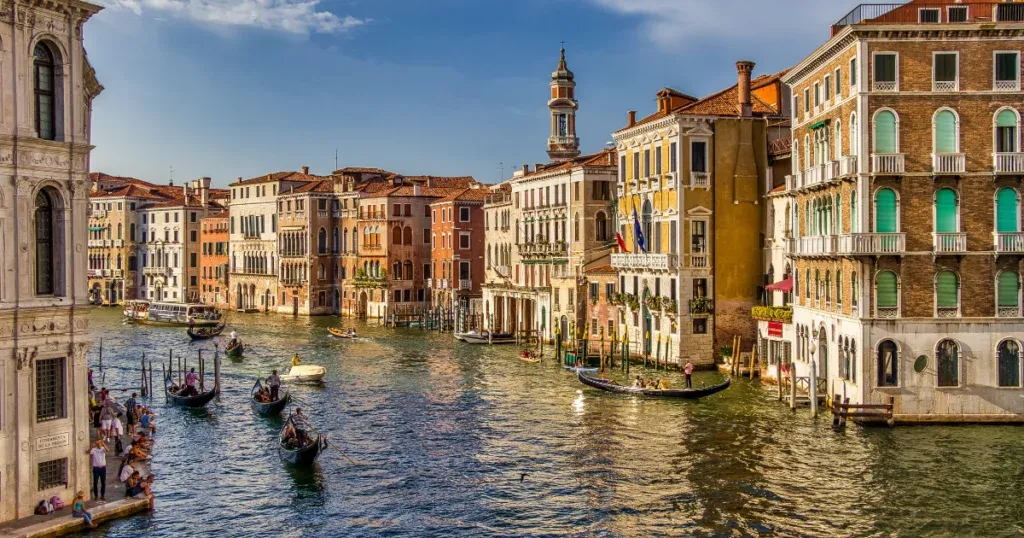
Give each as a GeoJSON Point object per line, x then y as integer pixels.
{"type": "Point", "coordinates": [818, 125]}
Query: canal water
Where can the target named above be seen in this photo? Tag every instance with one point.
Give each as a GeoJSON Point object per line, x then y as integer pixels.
{"type": "Point", "coordinates": [443, 433]}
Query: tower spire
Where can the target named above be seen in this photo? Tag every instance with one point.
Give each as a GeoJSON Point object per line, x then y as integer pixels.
{"type": "Point", "coordinates": [563, 145]}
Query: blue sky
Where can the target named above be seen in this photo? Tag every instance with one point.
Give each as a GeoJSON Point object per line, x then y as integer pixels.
{"type": "Point", "coordinates": [228, 88]}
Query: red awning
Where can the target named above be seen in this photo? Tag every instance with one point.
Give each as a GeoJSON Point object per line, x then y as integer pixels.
{"type": "Point", "coordinates": [785, 286]}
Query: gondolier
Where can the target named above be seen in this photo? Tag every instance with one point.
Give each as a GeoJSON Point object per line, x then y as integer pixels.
{"type": "Point", "coordinates": [190, 382]}
{"type": "Point", "coordinates": [274, 382]}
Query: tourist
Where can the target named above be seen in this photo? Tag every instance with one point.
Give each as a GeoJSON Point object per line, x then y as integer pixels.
{"type": "Point", "coordinates": [133, 486]}
{"type": "Point", "coordinates": [275, 382]}
{"type": "Point", "coordinates": [98, 459]}
{"type": "Point", "coordinates": [106, 418]}
{"type": "Point", "coordinates": [190, 382]}
{"type": "Point", "coordinates": [131, 407]}
{"type": "Point", "coordinates": [639, 383]}
{"type": "Point", "coordinates": [688, 370]}
{"type": "Point", "coordinates": [117, 430]}
{"type": "Point", "coordinates": [147, 488]}
{"type": "Point", "coordinates": [663, 384]}
{"type": "Point", "coordinates": [233, 339]}
{"type": "Point", "coordinates": [147, 421]}
{"type": "Point", "coordinates": [296, 360]}
{"type": "Point", "coordinates": [649, 383]}
{"type": "Point", "coordinates": [78, 510]}
{"type": "Point", "coordinates": [126, 470]}
{"type": "Point", "coordinates": [92, 386]}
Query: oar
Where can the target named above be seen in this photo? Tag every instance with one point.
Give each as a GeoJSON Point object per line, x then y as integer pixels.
{"type": "Point", "coordinates": [332, 445]}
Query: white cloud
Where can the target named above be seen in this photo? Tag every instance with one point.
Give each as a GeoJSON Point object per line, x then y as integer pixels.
{"type": "Point", "coordinates": [673, 22]}
{"type": "Point", "coordinates": [294, 16]}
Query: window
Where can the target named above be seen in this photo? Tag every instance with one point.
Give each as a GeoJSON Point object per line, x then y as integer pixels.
{"type": "Point", "coordinates": [53, 473]}
{"type": "Point", "coordinates": [956, 14]}
{"type": "Point", "coordinates": [45, 99]}
{"type": "Point", "coordinates": [1008, 293]}
{"type": "Point", "coordinates": [636, 166]}
{"type": "Point", "coordinates": [46, 227]}
{"type": "Point", "coordinates": [1007, 129]}
{"type": "Point", "coordinates": [672, 157]}
{"type": "Point", "coordinates": [947, 359]}
{"type": "Point", "coordinates": [657, 161]}
{"type": "Point", "coordinates": [576, 191]}
{"type": "Point", "coordinates": [817, 95]}
{"type": "Point", "coordinates": [1007, 71]}
{"type": "Point", "coordinates": [885, 132]}
{"type": "Point", "coordinates": [602, 190]}
{"type": "Point", "coordinates": [601, 227]}
{"type": "Point", "coordinates": [945, 130]}
{"type": "Point", "coordinates": [887, 294]}
{"type": "Point", "coordinates": [853, 71]}
{"type": "Point", "coordinates": [622, 169]}
{"type": "Point", "coordinates": [1008, 357]}
{"type": "Point", "coordinates": [828, 88]}
{"type": "Point", "coordinates": [192, 235]}
{"type": "Point", "coordinates": [647, 163]}
{"type": "Point", "coordinates": [930, 14]}
{"type": "Point", "coordinates": [699, 156]}
{"type": "Point", "coordinates": [463, 214]}
{"type": "Point", "coordinates": [886, 72]}
{"type": "Point", "coordinates": [700, 326]}
{"type": "Point", "coordinates": [945, 71]}
{"type": "Point", "coordinates": [321, 241]}
{"type": "Point", "coordinates": [886, 220]}
{"type": "Point", "coordinates": [888, 364]}
{"type": "Point", "coordinates": [464, 241]}
{"type": "Point", "coordinates": [193, 259]}
{"type": "Point", "coordinates": [609, 290]}
{"type": "Point", "coordinates": [947, 294]}
{"type": "Point", "coordinates": [50, 389]}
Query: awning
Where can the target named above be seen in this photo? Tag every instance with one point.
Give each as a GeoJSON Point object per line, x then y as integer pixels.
{"type": "Point", "coordinates": [96, 228]}
{"type": "Point", "coordinates": [818, 125]}
{"type": "Point", "coordinates": [785, 286]}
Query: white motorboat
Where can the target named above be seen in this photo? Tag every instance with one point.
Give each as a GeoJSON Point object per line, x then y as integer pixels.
{"type": "Point", "coordinates": [305, 373]}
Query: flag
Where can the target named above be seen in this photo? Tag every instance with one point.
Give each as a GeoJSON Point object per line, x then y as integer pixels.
{"type": "Point", "coordinates": [638, 233]}
{"type": "Point", "coordinates": [622, 242]}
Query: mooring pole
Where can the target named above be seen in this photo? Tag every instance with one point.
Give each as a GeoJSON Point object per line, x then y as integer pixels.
{"type": "Point", "coordinates": [813, 390]}
{"type": "Point", "coordinates": [216, 370]}
{"type": "Point", "coordinates": [202, 373]}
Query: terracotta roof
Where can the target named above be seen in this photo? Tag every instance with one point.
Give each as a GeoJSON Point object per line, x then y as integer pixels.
{"type": "Point", "coordinates": [129, 191]}
{"type": "Point", "coordinates": [361, 170]}
{"type": "Point", "coordinates": [602, 158]}
{"type": "Point", "coordinates": [467, 195]}
{"type": "Point", "coordinates": [193, 201]}
{"type": "Point", "coordinates": [779, 188]}
{"type": "Point", "coordinates": [323, 185]}
{"type": "Point", "coordinates": [222, 214]}
{"type": "Point", "coordinates": [409, 191]}
{"type": "Point", "coordinates": [279, 176]}
{"type": "Point", "coordinates": [453, 182]}
{"type": "Point", "coordinates": [600, 269]}
{"type": "Point", "coordinates": [675, 93]}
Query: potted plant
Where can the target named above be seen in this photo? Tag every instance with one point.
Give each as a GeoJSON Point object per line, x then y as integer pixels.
{"type": "Point", "coordinates": [701, 305]}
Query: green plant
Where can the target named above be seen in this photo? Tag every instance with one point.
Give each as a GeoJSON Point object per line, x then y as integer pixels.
{"type": "Point", "coordinates": [772, 313]}
{"type": "Point", "coordinates": [653, 302]}
{"type": "Point", "coordinates": [701, 305]}
{"type": "Point", "coordinates": [725, 351]}
{"type": "Point", "coordinates": [671, 306]}
{"type": "Point", "coordinates": [631, 301]}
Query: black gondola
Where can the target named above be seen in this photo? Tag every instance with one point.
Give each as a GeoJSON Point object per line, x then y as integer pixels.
{"type": "Point", "coordinates": [235, 351]}
{"type": "Point", "coordinates": [198, 400]}
{"type": "Point", "coordinates": [668, 393]}
{"type": "Point", "coordinates": [204, 333]}
{"type": "Point", "coordinates": [306, 455]}
{"type": "Point", "coordinates": [268, 408]}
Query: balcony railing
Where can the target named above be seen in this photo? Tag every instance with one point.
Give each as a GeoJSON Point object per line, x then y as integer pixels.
{"type": "Point", "coordinates": [949, 163]}
{"type": "Point", "coordinates": [154, 271]}
{"type": "Point", "coordinates": [847, 165]}
{"type": "Point", "coordinates": [465, 284]}
{"type": "Point", "coordinates": [1008, 312]}
{"type": "Point", "coordinates": [974, 12]}
{"type": "Point", "coordinates": [872, 244]}
{"type": "Point", "coordinates": [815, 245]}
{"type": "Point", "coordinates": [887, 163]}
{"type": "Point", "coordinates": [1008, 163]}
{"type": "Point", "coordinates": [645, 261]}
{"type": "Point", "coordinates": [700, 179]}
{"type": "Point", "coordinates": [947, 311]}
{"type": "Point", "coordinates": [97, 243]}
{"type": "Point", "coordinates": [699, 259]}
{"type": "Point", "coordinates": [949, 243]}
{"type": "Point", "coordinates": [1009, 243]}
{"type": "Point", "coordinates": [945, 85]}
{"type": "Point", "coordinates": [292, 253]}
{"type": "Point", "coordinates": [884, 85]}
{"type": "Point", "coordinates": [887, 312]}
{"type": "Point", "coordinates": [554, 248]}
{"type": "Point", "coordinates": [250, 235]}
{"type": "Point", "coordinates": [1007, 85]}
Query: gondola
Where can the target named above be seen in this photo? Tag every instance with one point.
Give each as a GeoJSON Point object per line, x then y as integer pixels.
{"type": "Point", "coordinates": [484, 338]}
{"type": "Point", "coordinates": [204, 333]}
{"type": "Point", "coordinates": [199, 400]}
{"type": "Point", "coordinates": [339, 333]}
{"type": "Point", "coordinates": [235, 351]}
{"type": "Point", "coordinates": [670, 393]}
{"type": "Point", "coordinates": [269, 408]}
{"type": "Point", "coordinates": [304, 456]}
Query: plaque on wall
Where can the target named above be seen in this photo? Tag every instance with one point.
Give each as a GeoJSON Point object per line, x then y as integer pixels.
{"type": "Point", "coordinates": [53, 441]}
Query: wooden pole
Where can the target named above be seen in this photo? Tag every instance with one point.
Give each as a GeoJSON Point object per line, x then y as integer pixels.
{"type": "Point", "coordinates": [813, 390]}
{"type": "Point", "coordinates": [165, 380]}
{"type": "Point", "coordinates": [792, 386]}
{"type": "Point", "coordinates": [202, 373]}
{"type": "Point", "coordinates": [151, 378]}
{"type": "Point", "coordinates": [216, 370]}
{"type": "Point", "coordinates": [778, 376]}
{"type": "Point", "coordinates": [753, 359]}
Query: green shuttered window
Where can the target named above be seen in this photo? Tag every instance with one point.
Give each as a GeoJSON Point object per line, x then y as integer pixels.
{"type": "Point", "coordinates": [1006, 132]}
{"type": "Point", "coordinates": [885, 211]}
{"type": "Point", "coordinates": [945, 132]}
{"type": "Point", "coordinates": [1009, 289]}
{"type": "Point", "coordinates": [886, 290]}
{"type": "Point", "coordinates": [945, 211]}
{"type": "Point", "coordinates": [1007, 220]}
{"type": "Point", "coordinates": [885, 132]}
{"type": "Point", "coordinates": [946, 285]}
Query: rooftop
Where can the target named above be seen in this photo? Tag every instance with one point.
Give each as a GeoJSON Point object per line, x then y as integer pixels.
{"type": "Point", "coordinates": [933, 12]}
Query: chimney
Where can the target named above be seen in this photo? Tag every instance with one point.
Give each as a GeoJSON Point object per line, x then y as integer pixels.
{"type": "Point", "coordinates": [632, 118]}
{"type": "Point", "coordinates": [415, 189]}
{"type": "Point", "coordinates": [184, 190]}
{"type": "Point", "coordinates": [526, 169]}
{"type": "Point", "coordinates": [204, 190]}
{"type": "Point", "coordinates": [305, 170]}
{"type": "Point", "coordinates": [743, 70]}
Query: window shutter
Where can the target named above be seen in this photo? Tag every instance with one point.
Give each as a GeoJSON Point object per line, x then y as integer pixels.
{"type": "Point", "coordinates": [945, 289]}
{"type": "Point", "coordinates": [1006, 66]}
{"type": "Point", "coordinates": [945, 132]}
{"type": "Point", "coordinates": [1006, 118]}
{"type": "Point", "coordinates": [945, 211]}
{"type": "Point", "coordinates": [885, 132]}
{"type": "Point", "coordinates": [885, 211]}
{"type": "Point", "coordinates": [1006, 211]}
{"type": "Point", "coordinates": [885, 288]}
{"type": "Point", "coordinates": [1009, 289]}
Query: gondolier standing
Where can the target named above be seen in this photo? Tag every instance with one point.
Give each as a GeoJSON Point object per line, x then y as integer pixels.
{"type": "Point", "coordinates": [275, 385]}
{"type": "Point", "coordinates": [688, 370]}
{"type": "Point", "coordinates": [190, 382]}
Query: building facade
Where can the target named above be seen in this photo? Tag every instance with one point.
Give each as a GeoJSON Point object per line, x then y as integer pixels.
{"type": "Point", "coordinates": [457, 256]}
{"type": "Point", "coordinates": [905, 199]}
{"type": "Point", "coordinates": [214, 286]}
{"type": "Point", "coordinates": [309, 247]}
{"type": "Point", "coordinates": [46, 102]}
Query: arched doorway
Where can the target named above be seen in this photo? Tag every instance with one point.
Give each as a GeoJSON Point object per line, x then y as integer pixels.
{"type": "Point", "coordinates": [822, 353]}
{"type": "Point", "coordinates": [362, 305]}
{"type": "Point", "coordinates": [564, 330]}
{"type": "Point", "coordinates": [295, 304]}
{"type": "Point", "coordinates": [238, 296]}
{"type": "Point", "coordinates": [266, 301]}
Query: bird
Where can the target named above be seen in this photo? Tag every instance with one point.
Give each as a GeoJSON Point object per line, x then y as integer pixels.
{"type": "Point", "coordinates": [522, 476]}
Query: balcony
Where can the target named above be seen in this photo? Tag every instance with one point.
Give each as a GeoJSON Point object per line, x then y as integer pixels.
{"type": "Point", "coordinates": [947, 311]}
{"type": "Point", "coordinates": [465, 284]}
{"type": "Point", "coordinates": [292, 282]}
{"type": "Point", "coordinates": [322, 213]}
{"type": "Point", "coordinates": [538, 248]}
{"type": "Point", "coordinates": [887, 163]}
{"type": "Point", "coordinates": [887, 312]}
{"type": "Point", "coordinates": [814, 246]}
{"type": "Point", "coordinates": [781, 314]}
{"type": "Point", "coordinates": [670, 180]}
{"type": "Point", "coordinates": [428, 283]}
{"type": "Point", "coordinates": [1007, 85]}
{"type": "Point", "coordinates": [1008, 312]}
{"type": "Point", "coordinates": [645, 261]}
{"type": "Point", "coordinates": [699, 259]}
{"type": "Point", "coordinates": [1008, 163]}
{"type": "Point", "coordinates": [155, 271]}
{"type": "Point", "coordinates": [848, 165]}
{"type": "Point", "coordinates": [97, 243]}
{"type": "Point", "coordinates": [884, 86]}
{"type": "Point", "coordinates": [250, 235]}
{"type": "Point", "coordinates": [872, 244]}
{"type": "Point", "coordinates": [949, 243]}
{"type": "Point", "coordinates": [949, 163]}
{"type": "Point", "coordinates": [794, 181]}
{"type": "Point", "coordinates": [700, 180]}
{"type": "Point", "coordinates": [978, 12]}
{"type": "Point", "coordinates": [1009, 243]}
{"type": "Point", "coordinates": [292, 254]}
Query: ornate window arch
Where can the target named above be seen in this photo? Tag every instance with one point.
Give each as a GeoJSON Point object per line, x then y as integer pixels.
{"type": "Point", "coordinates": [947, 294]}
{"type": "Point", "coordinates": [49, 242]}
{"type": "Point", "coordinates": [947, 362]}
{"type": "Point", "coordinates": [886, 139]}
{"type": "Point", "coordinates": [887, 355]}
{"type": "Point", "coordinates": [887, 294]}
{"type": "Point", "coordinates": [48, 90]}
{"type": "Point", "coordinates": [1008, 363]}
{"type": "Point", "coordinates": [1006, 131]}
{"type": "Point", "coordinates": [945, 131]}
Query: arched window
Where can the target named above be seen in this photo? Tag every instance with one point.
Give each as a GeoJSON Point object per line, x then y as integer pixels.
{"type": "Point", "coordinates": [945, 132]}
{"type": "Point", "coordinates": [839, 287]}
{"type": "Point", "coordinates": [886, 139]}
{"type": "Point", "coordinates": [576, 227]}
{"type": "Point", "coordinates": [396, 271]}
{"type": "Point", "coordinates": [517, 231]}
{"type": "Point", "coordinates": [44, 84]}
{"type": "Point", "coordinates": [888, 364]}
{"type": "Point", "coordinates": [488, 256]}
{"type": "Point", "coordinates": [807, 284]}
{"type": "Point", "coordinates": [408, 270]}
{"type": "Point", "coordinates": [853, 213]}
{"type": "Point", "coordinates": [1008, 357]}
{"type": "Point", "coordinates": [321, 241]}
{"type": "Point", "coordinates": [828, 286]}
{"type": "Point", "coordinates": [887, 299]}
{"type": "Point", "coordinates": [817, 284]}
{"type": "Point", "coordinates": [853, 134]}
{"type": "Point", "coordinates": [796, 156]}
{"type": "Point", "coordinates": [1008, 294]}
{"type": "Point", "coordinates": [407, 236]}
{"type": "Point", "coordinates": [853, 360]}
{"type": "Point", "coordinates": [46, 251]}
{"type": "Point", "coordinates": [120, 231]}
{"type": "Point", "coordinates": [947, 361]}
{"type": "Point", "coordinates": [1007, 211]}
{"type": "Point", "coordinates": [396, 235]}
{"type": "Point", "coordinates": [807, 152]}
{"type": "Point", "coordinates": [1007, 131]}
{"type": "Point", "coordinates": [344, 241]}
{"type": "Point", "coordinates": [886, 217]}
{"type": "Point", "coordinates": [853, 289]}
{"type": "Point", "coordinates": [838, 206]}
{"type": "Point", "coordinates": [946, 220]}
{"type": "Point", "coordinates": [601, 227]}
{"type": "Point", "coordinates": [947, 294]}
{"type": "Point", "coordinates": [336, 241]}
{"type": "Point", "coordinates": [838, 151]}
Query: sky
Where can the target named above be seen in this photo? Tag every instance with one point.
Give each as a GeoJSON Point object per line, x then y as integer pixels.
{"type": "Point", "coordinates": [241, 88]}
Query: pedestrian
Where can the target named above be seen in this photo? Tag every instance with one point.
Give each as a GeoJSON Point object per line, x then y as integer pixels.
{"type": "Point", "coordinates": [275, 384]}
{"type": "Point", "coordinates": [98, 459]}
{"type": "Point", "coordinates": [131, 407]}
{"type": "Point", "coordinates": [92, 386]}
{"type": "Point", "coordinates": [126, 470]}
{"type": "Point", "coordinates": [78, 510]}
{"type": "Point", "coordinates": [116, 430]}
{"type": "Point", "coordinates": [147, 421]}
{"type": "Point", "coordinates": [106, 420]}
{"type": "Point", "coordinates": [190, 382]}
{"type": "Point", "coordinates": [688, 370]}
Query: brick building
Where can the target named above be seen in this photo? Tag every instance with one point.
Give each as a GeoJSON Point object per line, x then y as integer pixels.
{"type": "Point", "coordinates": [457, 256]}
{"type": "Point", "coordinates": [214, 287]}
{"type": "Point", "coordinates": [905, 209]}
{"type": "Point", "coordinates": [309, 247]}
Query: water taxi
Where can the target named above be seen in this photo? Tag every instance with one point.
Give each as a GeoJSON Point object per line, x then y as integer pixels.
{"type": "Point", "coordinates": [171, 314]}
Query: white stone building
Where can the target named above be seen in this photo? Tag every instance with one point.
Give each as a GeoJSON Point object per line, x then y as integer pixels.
{"type": "Point", "coordinates": [46, 92]}
{"type": "Point", "coordinates": [169, 245]}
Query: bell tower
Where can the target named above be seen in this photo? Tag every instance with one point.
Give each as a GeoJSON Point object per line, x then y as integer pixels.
{"type": "Point", "coordinates": [563, 145]}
